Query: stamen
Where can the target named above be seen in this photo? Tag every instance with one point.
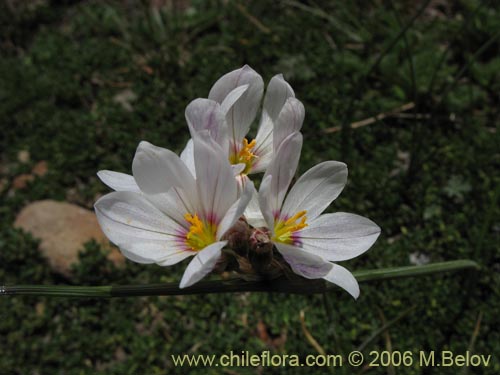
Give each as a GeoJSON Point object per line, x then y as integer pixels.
{"type": "Point", "coordinates": [201, 234]}
{"type": "Point", "coordinates": [285, 229]}
{"type": "Point", "coordinates": [245, 155]}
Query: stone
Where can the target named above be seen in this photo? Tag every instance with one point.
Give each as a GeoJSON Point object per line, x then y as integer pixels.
{"type": "Point", "coordinates": [63, 229]}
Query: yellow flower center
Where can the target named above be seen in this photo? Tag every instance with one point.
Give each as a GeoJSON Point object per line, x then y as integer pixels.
{"type": "Point", "coordinates": [201, 234]}
{"type": "Point", "coordinates": [244, 155]}
{"type": "Point", "coordinates": [284, 230]}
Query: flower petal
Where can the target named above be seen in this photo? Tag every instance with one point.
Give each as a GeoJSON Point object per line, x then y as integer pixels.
{"type": "Point", "coordinates": [175, 203]}
{"type": "Point", "coordinates": [303, 263]}
{"type": "Point", "coordinates": [253, 214]}
{"type": "Point", "coordinates": [344, 278]}
{"type": "Point", "coordinates": [339, 236]}
{"type": "Point", "coordinates": [266, 202]}
{"type": "Point", "coordinates": [263, 144]}
{"type": "Point", "coordinates": [135, 258]}
{"type": "Point", "coordinates": [237, 209]}
{"type": "Point", "coordinates": [187, 156]}
{"type": "Point", "coordinates": [278, 91]}
{"type": "Point", "coordinates": [282, 168]}
{"type": "Point", "coordinates": [237, 169]}
{"type": "Point", "coordinates": [215, 180]}
{"type": "Point", "coordinates": [316, 189]}
{"type": "Point", "coordinates": [166, 259]}
{"type": "Point", "coordinates": [289, 121]}
{"type": "Point", "coordinates": [131, 222]}
{"type": "Point", "coordinates": [118, 181]}
{"type": "Point", "coordinates": [157, 169]}
{"type": "Point", "coordinates": [242, 113]}
{"type": "Point", "coordinates": [202, 264]}
{"type": "Point", "coordinates": [232, 97]}
{"type": "Point", "coordinates": [206, 114]}
{"type": "Point", "coordinates": [175, 258]}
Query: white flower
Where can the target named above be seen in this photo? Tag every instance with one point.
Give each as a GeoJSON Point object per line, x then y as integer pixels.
{"type": "Point", "coordinates": [231, 108]}
{"type": "Point", "coordinates": [174, 207]}
{"type": "Point", "coordinates": [309, 241]}
{"type": "Point", "coordinates": [163, 214]}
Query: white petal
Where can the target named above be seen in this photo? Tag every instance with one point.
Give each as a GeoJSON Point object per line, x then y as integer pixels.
{"type": "Point", "coordinates": [131, 222]}
{"type": "Point", "coordinates": [236, 210]}
{"type": "Point", "coordinates": [157, 169]}
{"type": "Point", "coordinates": [282, 168]}
{"type": "Point", "coordinates": [175, 258]}
{"type": "Point", "coordinates": [241, 180]}
{"type": "Point", "coordinates": [237, 169]}
{"type": "Point", "coordinates": [176, 203]}
{"type": "Point", "coordinates": [263, 144]}
{"type": "Point", "coordinates": [339, 236]}
{"type": "Point", "coordinates": [135, 258]}
{"type": "Point", "coordinates": [253, 215]}
{"type": "Point", "coordinates": [343, 278]}
{"type": "Point", "coordinates": [278, 91]}
{"type": "Point", "coordinates": [289, 121]}
{"type": "Point", "coordinates": [232, 97]}
{"type": "Point", "coordinates": [202, 264]}
{"type": "Point", "coordinates": [316, 189]}
{"type": "Point", "coordinates": [187, 156]}
{"type": "Point", "coordinates": [167, 260]}
{"type": "Point", "coordinates": [206, 114]}
{"type": "Point", "coordinates": [262, 163]}
{"type": "Point", "coordinates": [118, 181]}
{"type": "Point", "coordinates": [162, 259]}
{"type": "Point", "coordinates": [243, 112]}
{"type": "Point", "coordinates": [303, 263]}
{"type": "Point", "coordinates": [214, 178]}
{"type": "Point", "coordinates": [266, 201]}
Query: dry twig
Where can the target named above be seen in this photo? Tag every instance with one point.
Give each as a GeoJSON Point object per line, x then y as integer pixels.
{"type": "Point", "coordinates": [371, 120]}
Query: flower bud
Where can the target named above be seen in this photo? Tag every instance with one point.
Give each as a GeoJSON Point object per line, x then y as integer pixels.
{"type": "Point", "coordinates": [261, 250]}
{"type": "Point", "coordinates": [238, 236]}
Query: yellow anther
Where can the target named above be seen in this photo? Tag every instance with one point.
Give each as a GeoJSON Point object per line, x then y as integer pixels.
{"type": "Point", "coordinates": [244, 155]}
{"type": "Point", "coordinates": [201, 234]}
{"type": "Point", "coordinates": [284, 230]}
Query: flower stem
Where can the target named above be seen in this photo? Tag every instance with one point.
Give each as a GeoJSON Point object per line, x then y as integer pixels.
{"type": "Point", "coordinates": [282, 285]}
